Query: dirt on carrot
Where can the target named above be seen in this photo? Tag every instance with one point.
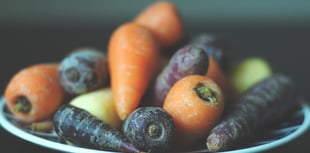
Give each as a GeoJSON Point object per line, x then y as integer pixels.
{"type": "Point", "coordinates": [34, 93]}
{"type": "Point", "coordinates": [133, 56]}
{"type": "Point", "coordinates": [195, 103]}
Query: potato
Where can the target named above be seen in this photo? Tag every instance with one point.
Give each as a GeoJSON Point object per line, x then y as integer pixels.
{"type": "Point", "coordinates": [250, 71]}
{"type": "Point", "coordinates": [100, 104]}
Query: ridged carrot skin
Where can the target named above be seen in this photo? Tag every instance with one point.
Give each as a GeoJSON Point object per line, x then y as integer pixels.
{"type": "Point", "coordinates": [133, 56]}
{"type": "Point", "coordinates": [264, 103]}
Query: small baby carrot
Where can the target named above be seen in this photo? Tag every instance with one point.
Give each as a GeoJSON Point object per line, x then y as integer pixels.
{"type": "Point", "coordinates": [195, 103]}
{"type": "Point", "coordinates": [34, 93]}
{"type": "Point", "coordinates": [133, 56]}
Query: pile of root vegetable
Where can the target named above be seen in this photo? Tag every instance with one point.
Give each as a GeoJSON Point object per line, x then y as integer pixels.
{"type": "Point", "coordinates": [156, 89]}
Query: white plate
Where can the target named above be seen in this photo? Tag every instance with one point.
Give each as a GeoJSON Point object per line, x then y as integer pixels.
{"type": "Point", "coordinates": [288, 130]}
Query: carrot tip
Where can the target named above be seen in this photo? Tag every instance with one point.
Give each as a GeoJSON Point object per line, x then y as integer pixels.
{"type": "Point", "coordinates": [213, 143]}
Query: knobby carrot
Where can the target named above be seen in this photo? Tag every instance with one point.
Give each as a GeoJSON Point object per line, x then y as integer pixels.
{"type": "Point", "coordinates": [133, 56]}
{"type": "Point", "coordinates": [195, 103]}
{"type": "Point", "coordinates": [163, 19]}
{"type": "Point", "coordinates": [34, 93]}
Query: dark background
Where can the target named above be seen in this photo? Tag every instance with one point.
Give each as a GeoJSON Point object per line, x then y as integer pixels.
{"type": "Point", "coordinates": [45, 31]}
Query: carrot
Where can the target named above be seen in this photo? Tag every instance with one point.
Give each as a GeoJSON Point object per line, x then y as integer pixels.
{"type": "Point", "coordinates": [264, 103]}
{"type": "Point", "coordinates": [215, 73]}
{"type": "Point", "coordinates": [216, 47]}
{"type": "Point", "coordinates": [34, 93]}
{"type": "Point", "coordinates": [163, 19]}
{"type": "Point", "coordinates": [195, 103]}
{"type": "Point", "coordinates": [133, 55]}
{"type": "Point", "coordinates": [78, 126]}
{"type": "Point", "coordinates": [187, 60]}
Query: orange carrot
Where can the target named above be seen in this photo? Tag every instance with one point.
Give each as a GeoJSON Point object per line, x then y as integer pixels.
{"type": "Point", "coordinates": [164, 21]}
{"type": "Point", "coordinates": [34, 93]}
{"type": "Point", "coordinates": [133, 56]}
{"type": "Point", "coordinates": [195, 103]}
{"type": "Point", "coordinates": [216, 74]}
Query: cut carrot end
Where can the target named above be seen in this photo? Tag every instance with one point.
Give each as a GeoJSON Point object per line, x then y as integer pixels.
{"type": "Point", "coordinates": [205, 93]}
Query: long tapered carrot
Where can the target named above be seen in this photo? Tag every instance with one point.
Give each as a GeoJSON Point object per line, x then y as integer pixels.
{"type": "Point", "coordinates": [133, 54]}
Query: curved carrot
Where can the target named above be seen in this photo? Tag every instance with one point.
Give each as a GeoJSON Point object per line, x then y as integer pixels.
{"type": "Point", "coordinates": [195, 103]}
{"type": "Point", "coordinates": [34, 93]}
{"type": "Point", "coordinates": [164, 21]}
{"type": "Point", "coordinates": [133, 55]}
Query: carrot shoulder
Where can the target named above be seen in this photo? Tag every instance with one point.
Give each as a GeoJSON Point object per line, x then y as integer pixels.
{"type": "Point", "coordinates": [133, 54]}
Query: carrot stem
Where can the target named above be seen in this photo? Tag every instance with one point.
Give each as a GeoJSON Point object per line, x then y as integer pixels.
{"type": "Point", "coordinates": [22, 105]}
{"type": "Point", "coordinates": [205, 93]}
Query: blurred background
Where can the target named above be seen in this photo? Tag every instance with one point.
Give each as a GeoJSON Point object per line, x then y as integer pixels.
{"type": "Point", "coordinates": [36, 31]}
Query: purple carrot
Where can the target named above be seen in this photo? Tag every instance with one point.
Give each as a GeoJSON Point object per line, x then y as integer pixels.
{"type": "Point", "coordinates": [79, 127]}
{"type": "Point", "coordinates": [264, 103]}
{"type": "Point", "coordinates": [186, 61]}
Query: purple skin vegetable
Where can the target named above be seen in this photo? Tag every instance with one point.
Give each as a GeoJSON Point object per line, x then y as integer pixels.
{"type": "Point", "coordinates": [264, 103]}
{"type": "Point", "coordinates": [150, 128]}
{"type": "Point", "coordinates": [79, 127]}
{"type": "Point", "coordinates": [215, 47]}
{"type": "Point", "coordinates": [83, 70]}
{"type": "Point", "coordinates": [188, 60]}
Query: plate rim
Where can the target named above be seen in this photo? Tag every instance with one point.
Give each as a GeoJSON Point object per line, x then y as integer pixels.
{"type": "Point", "coordinates": [14, 130]}
{"type": "Point", "coordinates": [8, 126]}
